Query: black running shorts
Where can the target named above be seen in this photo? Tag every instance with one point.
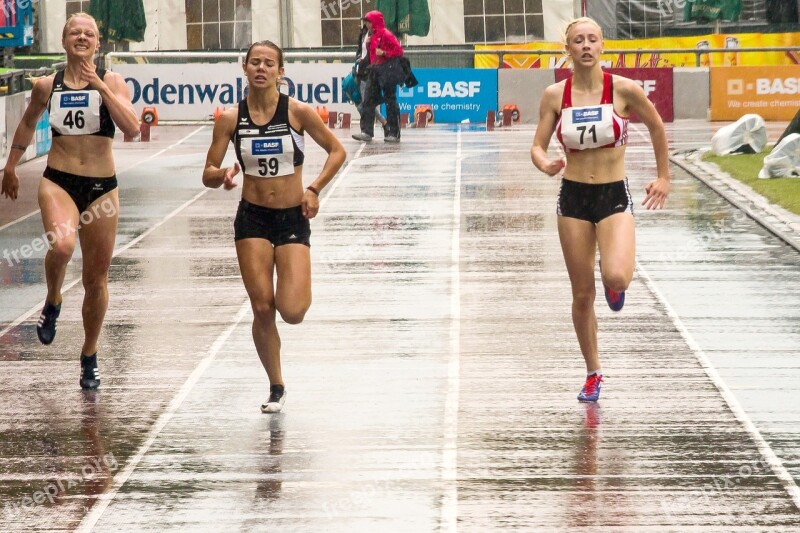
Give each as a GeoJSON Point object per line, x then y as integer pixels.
{"type": "Point", "coordinates": [593, 202]}
{"type": "Point", "coordinates": [278, 226]}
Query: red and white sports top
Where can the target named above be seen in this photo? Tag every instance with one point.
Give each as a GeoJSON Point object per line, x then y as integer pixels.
{"type": "Point", "coordinates": [593, 126]}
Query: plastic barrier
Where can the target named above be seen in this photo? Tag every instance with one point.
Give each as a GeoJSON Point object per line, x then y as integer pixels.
{"type": "Point", "coordinates": [423, 115]}
{"type": "Point", "coordinates": [748, 135]}
{"type": "Point", "coordinates": [150, 116]}
{"type": "Point", "coordinates": [323, 113]}
{"type": "Point", "coordinates": [144, 134]}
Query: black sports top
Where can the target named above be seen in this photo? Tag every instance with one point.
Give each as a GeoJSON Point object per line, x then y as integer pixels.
{"type": "Point", "coordinates": [78, 111]}
{"type": "Point", "coordinates": [271, 150]}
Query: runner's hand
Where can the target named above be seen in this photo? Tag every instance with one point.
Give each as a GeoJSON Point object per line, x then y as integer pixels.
{"type": "Point", "coordinates": [554, 167]}
{"type": "Point", "coordinates": [89, 74]}
{"type": "Point", "coordinates": [310, 204]}
{"type": "Point", "coordinates": [230, 172]}
{"type": "Point", "coordinates": [657, 191]}
{"type": "Point", "coordinates": [10, 185]}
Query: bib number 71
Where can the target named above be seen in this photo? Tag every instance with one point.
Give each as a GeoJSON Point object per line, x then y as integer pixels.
{"type": "Point", "coordinates": [592, 130]}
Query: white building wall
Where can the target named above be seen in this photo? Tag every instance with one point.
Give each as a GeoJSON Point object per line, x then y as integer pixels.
{"type": "Point", "coordinates": [52, 17]}
{"type": "Point", "coordinates": [166, 22]}
{"type": "Point", "coordinates": [557, 14]}
{"type": "Point", "coordinates": [267, 21]}
{"type": "Point", "coordinates": [447, 24]}
{"type": "Point", "coordinates": [166, 26]}
{"type": "Point", "coordinates": [307, 20]}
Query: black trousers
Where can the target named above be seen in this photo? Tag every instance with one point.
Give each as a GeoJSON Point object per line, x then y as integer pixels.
{"type": "Point", "coordinates": [380, 93]}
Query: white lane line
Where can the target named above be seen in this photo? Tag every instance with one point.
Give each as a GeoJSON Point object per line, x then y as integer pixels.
{"type": "Point", "coordinates": [117, 252]}
{"type": "Point", "coordinates": [91, 519]}
{"type": "Point", "coordinates": [170, 147]}
{"type": "Point", "coordinates": [340, 178]}
{"type": "Point", "coordinates": [738, 412]}
{"type": "Point", "coordinates": [448, 520]}
{"type": "Point", "coordinates": [20, 219]}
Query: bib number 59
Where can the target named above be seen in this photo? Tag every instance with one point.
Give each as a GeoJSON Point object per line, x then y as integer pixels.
{"type": "Point", "coordinates": [267, 167]}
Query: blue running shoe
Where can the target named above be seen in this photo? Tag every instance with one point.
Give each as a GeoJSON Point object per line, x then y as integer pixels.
{"type": "Point", "coordinates": [591, 389]}
{"type": "Point", "coordinates": [615, 300]}
{"type": "Point", "coordinates": [46, 327]}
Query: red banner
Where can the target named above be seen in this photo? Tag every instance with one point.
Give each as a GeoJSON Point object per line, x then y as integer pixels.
{"type": "Point", "coordinates": [656, 82]}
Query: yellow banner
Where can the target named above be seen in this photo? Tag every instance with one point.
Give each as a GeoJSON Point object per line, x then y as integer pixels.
{"type": "Point", "coordinates": [641, 60]}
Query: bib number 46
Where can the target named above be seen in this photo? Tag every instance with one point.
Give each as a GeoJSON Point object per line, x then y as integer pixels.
{"type": "Point", "coordinates": [75, 121]}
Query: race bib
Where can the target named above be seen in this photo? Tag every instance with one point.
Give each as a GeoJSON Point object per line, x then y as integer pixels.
{"type": "Point", "coordinates": [267, 157]}
{"type": "Point", "coordinates": [75, 112]}
{"type": "Point", "coordinates": [588, 127]}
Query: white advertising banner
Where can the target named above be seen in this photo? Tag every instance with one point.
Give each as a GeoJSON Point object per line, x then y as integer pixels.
{"type": "Point", "coordinates": [193, 91]}
{"type": "Point", "coordinates": [557, 14]}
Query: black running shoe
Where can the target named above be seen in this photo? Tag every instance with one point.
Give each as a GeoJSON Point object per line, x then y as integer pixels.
{"type": "Point", "coordinates": [277, 397]}
{"type": "Point", "coordinates": [46, 327]}
{"type": "Point", "coordinates": [90, 374]}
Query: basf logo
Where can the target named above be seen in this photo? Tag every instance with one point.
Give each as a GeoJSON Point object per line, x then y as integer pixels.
{"type": "Point", "coordinates": [454, 95]}
{"type": "Point", "coordinates": [772, 92]}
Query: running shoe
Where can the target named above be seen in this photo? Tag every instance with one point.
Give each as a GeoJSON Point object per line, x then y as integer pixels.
{"type": "Point", "coordinates": [591, 389]}
{"type": "Point", "coordinates": [277, 397]}
{"type": "Point", "coordinates": [615, 300]}
{"type": "Point", "coordinates": [46, 327]}
{"type": "Point", "coordinates": [90, 374]}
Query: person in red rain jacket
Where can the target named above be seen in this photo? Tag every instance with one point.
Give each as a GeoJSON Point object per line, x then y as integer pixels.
{"type": "Point", "coordinates": [382, 80]}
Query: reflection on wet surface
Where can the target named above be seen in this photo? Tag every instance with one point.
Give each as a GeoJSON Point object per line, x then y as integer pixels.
{"type": "Point", "coordinates": [175, 440]}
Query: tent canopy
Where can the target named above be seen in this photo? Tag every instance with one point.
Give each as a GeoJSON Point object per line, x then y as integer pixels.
{"type": "Point", "coordinates": [119, 21]}
{"type": "Point", "coordinates": [406, 17]}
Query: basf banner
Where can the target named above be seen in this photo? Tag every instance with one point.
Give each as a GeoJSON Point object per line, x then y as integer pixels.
{"type": "Point", "coordinates": [772, 92]}
{"type": "Point", "coordinates": [192, 91]}
{"type": "Point", "coordinates": [454, 94]}
{"type": "Point", "coordinates": [656, 83]}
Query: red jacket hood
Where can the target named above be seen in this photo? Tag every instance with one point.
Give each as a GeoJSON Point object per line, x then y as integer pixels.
{"type": "Point", "coordinates": [376, 18]}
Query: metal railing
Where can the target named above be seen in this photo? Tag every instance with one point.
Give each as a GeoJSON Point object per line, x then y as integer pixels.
{"type": "Point", "coordinates": [20, 80]}
{"type": "Point", "coordinates": [347, 55]}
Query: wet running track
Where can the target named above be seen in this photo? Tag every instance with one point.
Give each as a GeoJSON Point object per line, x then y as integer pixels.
{"type": "Point", "coordinates": [432, 386]}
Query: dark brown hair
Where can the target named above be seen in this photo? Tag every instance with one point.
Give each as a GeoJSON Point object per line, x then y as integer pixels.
{"type": "Point", "coordinates": [268, 44]}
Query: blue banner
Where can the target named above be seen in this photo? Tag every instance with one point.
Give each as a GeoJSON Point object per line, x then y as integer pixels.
{"type": "Point", "coordinates": [43, 139]}
{"type": "Point", "coordinates": [454, 94]}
